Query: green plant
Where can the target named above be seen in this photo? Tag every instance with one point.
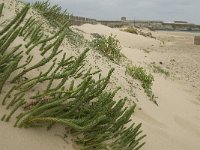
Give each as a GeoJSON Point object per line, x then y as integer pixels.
{"type": "Point", "coordinates": [1, 8]}
{"type": "Point", "coordinates": [17, 20]}
{"type": "Point", "coordinates": [146, 50]}
{"type": "Point", "coordinates": [85, 116]}
{"type": "Point", "coordinates": [57, 17]}
{"type": "Point", "coordinates": [9, 61]}
{"type": "Point", "coordinates": [146, 79]}
{"type": "Point", "coordinates": [33, 30]}
{"type": "Point", "coordinates": [54, 52]}
{"type": "Point", "coordinates": [109, 46]}
{"type": "Point", "coordinates": [7, 70]}
{"type": "Point", "coordinates": [8, 41]}
{"type": "Point", "coordinates": [158, 69]}
{"type": "Point", "coordinates": [131, 30]}
{"type": "Point", "coordinates": [76, 39]}
{"type": "Point", "coordinates": [72, 96]}
{"type": "Point", "coordinates": [53, 13]}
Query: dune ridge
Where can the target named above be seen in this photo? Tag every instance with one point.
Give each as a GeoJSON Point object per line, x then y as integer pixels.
{"type": "Point", "coordinates": [173, 125]}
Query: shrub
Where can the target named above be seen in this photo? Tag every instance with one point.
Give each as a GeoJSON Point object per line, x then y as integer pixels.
{"type": "Point", "coordinates": [158, 69]}
{"type": "Point", "coordinates": [53, 13]}
{"type": "Point", "coordinates": [75, 38]}
{"type": "Point", "coordinates": [109, 46]}
{"type": "Point", "coordinates": [146, 79]}
{"type": "Point", "coordinates": [57, 18]}
{"type": "Point", "coordinates": [71, 97]}
{"type": "Point", "coordinates": [131, 30]}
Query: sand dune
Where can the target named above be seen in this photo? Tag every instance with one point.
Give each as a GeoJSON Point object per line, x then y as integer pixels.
{"type": "Point", "coordinates": [126, 39]}
{"type": "Point", "coordinates": [173, 125]}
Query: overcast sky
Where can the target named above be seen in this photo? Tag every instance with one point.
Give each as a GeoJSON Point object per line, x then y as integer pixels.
{"type": "Point", "coordinates": [165, 10]}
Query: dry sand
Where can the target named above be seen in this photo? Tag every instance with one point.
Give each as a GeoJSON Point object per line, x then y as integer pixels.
{"type": "Point", "coordinates": [173, 125]}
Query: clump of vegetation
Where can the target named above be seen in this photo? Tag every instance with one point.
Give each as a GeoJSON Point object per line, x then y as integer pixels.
{"type": "Point", "coordinates": [146, 79]}
{"type": "Point", "coordinates": [158, 69]}
{"type": "Point", "coordinates": [131, 30]}
{"type": "Point", "coordinates": [53, 13]}
{"type": "Point", "coordinates": [108, 46]}
{"type": "Point", "coordinates": [146, 50]}
{"type": "Point", "coordinates": [75, 38]}
{"type": "Point", "coordinates": [72, 97]}
{"type": "Point", "coordinates": [57, 18]}
{"type": "Point", "coordinates": [1, 8]}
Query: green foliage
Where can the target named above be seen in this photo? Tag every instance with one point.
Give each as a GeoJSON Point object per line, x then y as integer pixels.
{"type": "Point", "coordinates": [7, 70]}
{"type": "Point", "coordinates": [57, 18]}
{"type": "Point", "coordinates": [56, 45]}
{"type": "Point", "coordinates": [131, 30]}
{"type": "Point", "coordinates": [75, 39]}
{"type": "Point", "coordinates": [7, 42]}
{"type": "Point", "coordinates": [53, 13]}
{"type": "Point", "coordinates": [10, 61]}
{"type": "Point", "coordinates": [158, 69]}
{"type": "Point", "coordinates": [146, 79]}
{"type": "Point", "coordinates": [71, 95]}
{"type": "Point", "coordinates": [97, 123]}
{"type": "Point", "coordinates": [1, 8]}
{"type": "Point", "coordinates": [17, 20]}
{"type": "Point", "coordinates": [32, 31]}
{"type": "Point", "coordinates": [108, 46]}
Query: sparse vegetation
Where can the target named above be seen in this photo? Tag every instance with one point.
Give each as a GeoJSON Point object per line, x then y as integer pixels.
{"type": "Point", "coordinates": [57, 18]}
{"type": "Point", "coordinates": [139, 32]}
{"type": "Point", "coordinates": [108, 46]}
{"type": "Point", "coordinates": [146, 79]}
{"type": "Point", "coordinates": [158, 69]}
{"type": "Point", "coordinates": [131, 30]}
{"type": "Point", "coordinates": [71, 97]}
{"type": "Point", "coordinates": [76, 39]}
{"type": "Point", "coordinates": [53, 13]}
{"type": "Point", "coordinates": [1, 8]}
{"type": "Point", "coordinates": [146, 50]}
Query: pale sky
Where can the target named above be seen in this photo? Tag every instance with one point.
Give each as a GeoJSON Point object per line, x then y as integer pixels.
{"type": "Point", "coordinates": [165, 10]}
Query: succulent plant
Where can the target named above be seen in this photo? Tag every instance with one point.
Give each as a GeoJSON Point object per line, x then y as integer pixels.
{"type": "Point", "coordinates": [1, 8]}
{"type": "Point", "coordinates": [108, 46]}
{"type": "Point", "coordinates": [76, 100]}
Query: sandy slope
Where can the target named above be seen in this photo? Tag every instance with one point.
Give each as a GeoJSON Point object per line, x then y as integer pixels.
{"type": "Point", "coordinates": [31, 139]}
{"type": "Point", "coordinates": [126, 39]}
{"type": "Point", "coordinates": [174, 125]}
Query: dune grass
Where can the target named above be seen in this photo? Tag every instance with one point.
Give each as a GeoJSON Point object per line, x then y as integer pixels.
{"type": "Point", "coordinates": [146, 80]}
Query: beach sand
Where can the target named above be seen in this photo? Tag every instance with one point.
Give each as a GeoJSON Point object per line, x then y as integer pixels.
{"type": "Point", "coordinates": [173, 125]}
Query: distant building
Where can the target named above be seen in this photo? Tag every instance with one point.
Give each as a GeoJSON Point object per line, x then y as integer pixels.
{"type": "Point", "coordinates": [152, 24]}
{"type": "Point", "coordinates": [181, 22]}
{"type": "Point", "coordinates": [123, 18]}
